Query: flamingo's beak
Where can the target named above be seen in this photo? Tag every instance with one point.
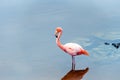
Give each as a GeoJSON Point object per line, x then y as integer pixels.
{"type": "Point", "coordinates": [56, 34]}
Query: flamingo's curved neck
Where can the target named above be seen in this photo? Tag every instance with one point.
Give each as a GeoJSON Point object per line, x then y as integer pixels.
{"type": "Point", "coordinates": [58, 41]}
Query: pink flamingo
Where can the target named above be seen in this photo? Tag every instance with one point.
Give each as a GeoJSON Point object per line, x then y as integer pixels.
{"type": "Point", "coordinates": [71, 48]}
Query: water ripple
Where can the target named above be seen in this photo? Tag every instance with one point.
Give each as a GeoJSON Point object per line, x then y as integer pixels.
{"type": "Point", "coordinates": [95, 45]}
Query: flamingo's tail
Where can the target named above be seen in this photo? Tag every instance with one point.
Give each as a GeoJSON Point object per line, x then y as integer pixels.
{"type": "Point", "coordinates": [85, 52]}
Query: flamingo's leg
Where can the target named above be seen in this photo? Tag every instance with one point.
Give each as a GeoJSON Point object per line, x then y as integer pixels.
{"type": "Point", "coordinates": [73, 63]}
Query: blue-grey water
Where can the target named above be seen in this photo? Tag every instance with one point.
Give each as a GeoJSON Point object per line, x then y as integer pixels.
{"type": "Point", "coordinates": [27, 44]}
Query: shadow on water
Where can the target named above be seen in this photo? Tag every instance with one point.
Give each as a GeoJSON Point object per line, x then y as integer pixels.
{"type": "Point", "coordinates": [75, 74]}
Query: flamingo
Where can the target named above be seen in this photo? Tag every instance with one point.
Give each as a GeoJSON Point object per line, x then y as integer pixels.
{"type": "Point", "coordinates": [72, 49]}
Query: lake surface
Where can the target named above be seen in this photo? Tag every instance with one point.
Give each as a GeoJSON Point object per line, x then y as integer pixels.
{"type": "Point", "coordinates": [27, 43]}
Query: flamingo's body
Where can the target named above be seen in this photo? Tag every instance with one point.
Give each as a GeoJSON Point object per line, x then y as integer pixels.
{"type": "Point", "coordinates": [71, 48]}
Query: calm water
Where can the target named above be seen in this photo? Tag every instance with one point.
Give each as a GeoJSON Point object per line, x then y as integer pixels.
{"type": "Point", "coordinates": [27, 44]}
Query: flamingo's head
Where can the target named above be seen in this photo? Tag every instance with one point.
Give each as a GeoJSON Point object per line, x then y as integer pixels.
{"type": "Point", "coordinates": [58, 31]}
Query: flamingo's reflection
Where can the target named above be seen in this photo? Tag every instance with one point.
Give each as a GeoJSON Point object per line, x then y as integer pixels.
{"type": "Point", "coordinates": [75, 74]}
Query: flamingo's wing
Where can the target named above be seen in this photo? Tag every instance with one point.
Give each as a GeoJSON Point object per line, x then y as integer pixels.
{"type": "Point", "coordinates": [72, 48]}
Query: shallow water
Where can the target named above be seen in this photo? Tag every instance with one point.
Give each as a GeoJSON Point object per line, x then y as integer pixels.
{"type": "Point", "coordinates": [27, 43]}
